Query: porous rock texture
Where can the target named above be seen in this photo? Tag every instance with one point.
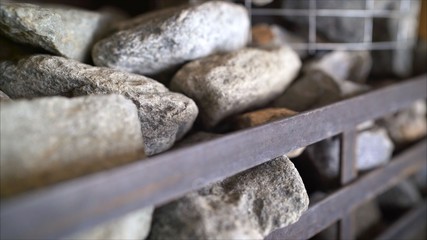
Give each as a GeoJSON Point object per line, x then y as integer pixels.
{"type": "Point", "coordinates": [46, 140]}
{"type": "Point", "coordinates": [227, 84]}
{"type": "Point", "coordinates": [249, 205]}
{"type": "Point", "coordinates": [133, 226]}
{"type": "Point", "coordinates": [61, 30]}
{"type": "Point", "coordinates": [165, 116]}
{"type": "Point", "coordinates": [162, 41]}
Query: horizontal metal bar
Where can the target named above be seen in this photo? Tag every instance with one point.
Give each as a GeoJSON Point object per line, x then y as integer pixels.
{"type": "Point", "coordinates": [346, 199]}
{"type": "Point", "coordinates": [353, 46]}
{"type": "Point", "coordinates": [354, 13]}
{"type": "Point", "coordinates": [81, 203]}
{"type": "Point", "coordinates": [409, 224]}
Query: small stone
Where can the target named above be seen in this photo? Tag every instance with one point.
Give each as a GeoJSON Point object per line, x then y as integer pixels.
{"type": "Point", "coordinates": [65, 31]}
{"type": "Point", "coordinates": [165, 116]}
{"type": "Point", "coordinates": [373, 148]}
{"type": "Point", "coordinates": [135, 225]}
{"type": "Point", "coordinates": [273, 36]}
{"type": "Point", "coordinates": [162, 41]}
{"type": "Point", "coordinates": [249, 205]}
{"type": "Point", "coordinates": [3, 96]}
{"type": "Point", "coordinates": [48, 140]}
{"type": "Point", "coordinates": [226, 84]}
{"type": "Point", "coordinates": [407, 125]}
{"type": "Point", "coordinates": [400, 197]}
{"type": "Point", "coordinates": [344, 65]}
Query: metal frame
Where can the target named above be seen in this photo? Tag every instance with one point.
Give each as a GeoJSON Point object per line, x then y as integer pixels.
{"type": "Point", "coordinates": [78, 204]}
{"type": "Point", "coordinates": [403, 41]}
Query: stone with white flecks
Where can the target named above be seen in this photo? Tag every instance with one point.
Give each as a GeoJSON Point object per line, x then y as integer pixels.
{"type": "Point", "coordinates": [226, 84]}
{"type": "Point", "coordinates": [47, 140]}
{"type": "Point", "coordinates": [249, 205]}
{"type": "Point", "coordinates": [165, 116]}
{"type": "Point", "coordinates": [162, 41]}
{"type": "Point", "coordinates": [64, 31]}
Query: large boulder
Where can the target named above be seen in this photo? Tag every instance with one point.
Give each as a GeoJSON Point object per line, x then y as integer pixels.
{"type": "Point", "coordinates": [249, 205]}
{"type": "Point", "coordinates": [47, 140]}
{"type": "Point", "coordinates": [64, 31]}
{"type": "Point", "coordinates": [162, 41]}
{"type": "Point", "coordinates": [165, 116]}
{"type": "Point", "coordinates": [227, 84]}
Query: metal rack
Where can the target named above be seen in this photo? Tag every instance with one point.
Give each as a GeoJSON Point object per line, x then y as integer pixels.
{"type": "Point", "coordinates": [403, 39]}
{"type": "Point", "coordinates": [79, 204]}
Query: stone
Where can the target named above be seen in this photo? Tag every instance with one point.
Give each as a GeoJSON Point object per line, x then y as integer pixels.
{"type": "Point", "coordinates": [226, 84]}
{"type": "Point", "coordinates": [263, 116]}
{"type": "Point", "coordinates": [12, 50]}
{"type": "Point", "coordinates": [407, 125]}
{"type": "Point", "coordinates": [273, 36]}
{"type": "Point", "coordinates": [373, 149]}
{"type": "Point", "coordinates": [61, 30]}
{"type": "Point", "coordinates": [403, 195]}
{"type": "Point", "coordinates": [344, 65]}
{"type": "Point", "coordinates": [165, 116]}
{"type": "Point", "coordinates": [311, 90]}
{"type": "Point", "coordinates": [3, 96]}
{"type": "Point", "coordinates": [47, 140]}
{"type": "Point", "coordinates": [249, 205]}
{"type": "Point", "coordinates": [133, 226]}
{"type": "Point", "coordinates": [162, 41]}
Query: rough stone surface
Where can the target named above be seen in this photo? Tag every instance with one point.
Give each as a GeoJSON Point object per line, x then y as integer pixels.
{"type": "Point", "coordinates": [134, 226]}
{"type": "Point", "coordinates": [3, 96]}
{"type": "Point", "coordinates": [407, 125]}
{"type": "Point", "coordinates": [344, 65]}
{"type": "Point", "coordinates": [65, 31]}
{"type": "Point", "coordinates": [249, 205]}
{"type": "Point", "coordinates": [273, 36]}
{"type": "Point", "coordinates": [374, 148]}
{"type": "Point", "coordinates": [163, 41]}
{"type": "Point", "coordinates": [46, 140]}
{"type": "Point", "coordinates": [165, 116]}
{"type": "Point", "coordinates": [227, 84]}
{"type": "Point", "coordinates": [402, 196]}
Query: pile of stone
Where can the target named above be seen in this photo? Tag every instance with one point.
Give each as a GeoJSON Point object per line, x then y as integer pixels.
{"type": "Point", "coordinates": [84, 91]}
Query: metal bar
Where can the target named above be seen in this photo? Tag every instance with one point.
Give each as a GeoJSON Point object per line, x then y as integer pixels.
{"type": "Point", "coordinates": [353, 13]}
{"type": "Point", "coordinates": [352, 46]}
{"type": "Point", "coordinates": [81, 203]}
{"type": "Point", "coordinates": [348, 173]}
{"type": "Point", "coordinates": [312, 27]}
{"type": "Point", "coordinates": [404, 227]}
{"type": "Point", "coordinates": [369, 22]}
{"type": "Point", "coordinates": [348, 157]}
{"type": "Point", "coordinates": [344, 200]}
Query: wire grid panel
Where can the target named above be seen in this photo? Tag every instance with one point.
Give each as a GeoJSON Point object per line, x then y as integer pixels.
{"type": "Point", "coordinates": [404, 39]}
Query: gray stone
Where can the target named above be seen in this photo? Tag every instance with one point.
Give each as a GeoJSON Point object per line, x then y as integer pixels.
{"type": "Point", "coordinates": [373, 148]}
{"type": "Point", "coordinates": [407, 125]}
{"type": "Point", "coordinates": [344, 65]}
{"type": "Point", "coordinates": [162, 41]}
{"type": "Point", "coordinates": [403, 195]}
{"type": "Point", "coordinates": [65, 31]}
{"type": "Point", "coordinates": [48, 140]}
{"type": "Point", "coordinates": [134, 226]}
{"type": "Point", "coordinates": [311, 90]}
{"type": "Point", "coordinates": [249, 205]}
{"type": "Point", "coordinates": [3, 96]}
{"type": "Point", "coordinates": [165, 116]}
{"type": "Point", "coordinates": [227, 84]}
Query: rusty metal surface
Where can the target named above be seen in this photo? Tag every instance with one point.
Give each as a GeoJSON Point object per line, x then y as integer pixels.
{"type": "Point", "coordinates": [346, 199]}
{"type": "Point", "coordinates": [404, 227]}
{"type": "Point", "coordinates": [79, 204]}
